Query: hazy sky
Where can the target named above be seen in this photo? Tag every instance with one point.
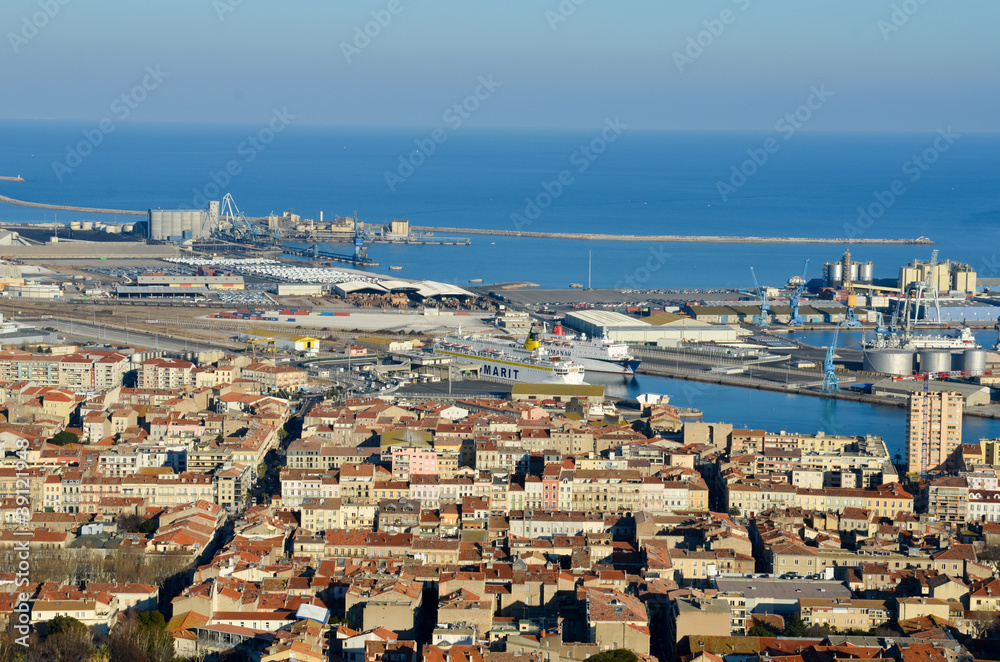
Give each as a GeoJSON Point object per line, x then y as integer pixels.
{"type": "Point", "coordinates": [236, 60]}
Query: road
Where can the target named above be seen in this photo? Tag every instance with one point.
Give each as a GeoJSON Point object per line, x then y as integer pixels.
{"type": "Point", "coordinates": [100, 332]}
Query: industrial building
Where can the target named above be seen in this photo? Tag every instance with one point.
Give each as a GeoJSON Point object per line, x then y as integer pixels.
{"type": "Point", "coordinates": [160, 292]}
{"type": "Point", "coordinates": [300, 289]}
{"type": "Point", "coordinates": [959, 311]}
{"type": "Point", "coordinates": [425, 289]}
{"type": "Point", "coordinates": [287, 341]}
{"type": "Point", "coordinates": [210, 282]}
{"type": "Point", "coordinates": [944, 276]}
{"type": "Point", "coordinates": [180, 224]}
{"type": "Point", "coordinates": [933, 429]}
{"type": "Point", "coordinates": [662, 329]}
{"type": "Point", "coordinates": [34, 291]}
{"type": "Point", "coordinates": [971, 395]}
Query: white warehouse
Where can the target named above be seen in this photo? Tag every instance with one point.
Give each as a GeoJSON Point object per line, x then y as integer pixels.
{"type": "Point", "coordinates": [662, 329]}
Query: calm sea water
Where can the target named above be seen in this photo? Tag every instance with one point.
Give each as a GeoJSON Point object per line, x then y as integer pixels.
{"type": "Point", "coordinates": [643, 183]}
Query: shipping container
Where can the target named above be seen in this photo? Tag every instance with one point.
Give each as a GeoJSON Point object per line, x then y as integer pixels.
{"type": "Point", "coordinates": [341, 314]}
{"type": "Point", "coordinates": [291, 319]}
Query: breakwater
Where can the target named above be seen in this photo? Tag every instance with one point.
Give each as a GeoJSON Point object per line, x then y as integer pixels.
{"type": "Point", "coordinates": [673, 237]}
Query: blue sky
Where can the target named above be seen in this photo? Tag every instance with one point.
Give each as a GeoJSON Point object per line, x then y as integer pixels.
{"type": "Point", "coordinates": [605, 59]}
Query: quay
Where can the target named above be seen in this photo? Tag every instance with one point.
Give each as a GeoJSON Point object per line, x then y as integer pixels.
{"type": "Point", "coordinates": [673, 237]}
{"type": "Point", "coordinates": [317, 253]}
{"type": "Point", "coordinates": [19, 178]}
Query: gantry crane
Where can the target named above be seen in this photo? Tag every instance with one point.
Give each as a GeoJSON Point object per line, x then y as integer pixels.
{"type": "Point", "coordinates": [831, 383]}
{"type": "Point", "coordinates": [765, 307]}
{"type": "Point", "coordinates": [796, 298]}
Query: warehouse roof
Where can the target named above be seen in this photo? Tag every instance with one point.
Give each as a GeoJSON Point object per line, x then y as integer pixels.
{"type": "Point", "coordinates": [604, 318]}
{"type": "Point", "coordinates": [350, 287]}
{"type": "Point", "coordinates": [430, 288]}
{"type": "Point", "coordinates": [161, 290]}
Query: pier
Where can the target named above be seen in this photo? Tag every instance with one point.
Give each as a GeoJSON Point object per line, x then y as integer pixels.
{"type": "Point", "coordinates": [317, 253]}
{"type": "Point", "coordinates": [85, 210]}
{"type": "Point", "coordinates": [19, 178]}
{"type": "Point", "coordinates": [673, 237]}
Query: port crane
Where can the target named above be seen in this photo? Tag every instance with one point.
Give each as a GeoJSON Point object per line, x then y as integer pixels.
{"type": "Point", "coordinates": [796, 298]}
{"type": "Point", "coordinates": [360, 252]}
{"type": "Point", "coordinates": [241, 227]}
{"type": "Point", "coordinates": [928, 286]}
{"type": "Point", "coordinates": [831, 383]}
{"type": "Point", "coordinates": [765, 306]}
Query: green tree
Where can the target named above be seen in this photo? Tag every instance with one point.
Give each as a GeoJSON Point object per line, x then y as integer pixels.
{"type": "Point", "coordinates": [61, 624]}
{"type": "Point", "coordinates": [795, 626]}
{"type": "Point", "coordinates": [759, 631]}
{"type": "Point", "coordinates": [735, 512]}
{"type": "Point", "coordinates": [152, 620]}
{"type": "Point", "coordinates": [64, 438]}
{"type": "Point", "coordinates": [616, 655]}
{"type": "Point", "coordinates": [148, 526]}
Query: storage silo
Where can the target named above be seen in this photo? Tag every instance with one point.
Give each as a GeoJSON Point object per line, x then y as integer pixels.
{"type": "Point", "coordinates": [897, 362]}
{"type": "Point", "coordinates": [128, 227]}
{"type": "Point", "coordinates": [834, 274]}
{"type": "Point", "coordinates": [74, 225]}
{"type": "Point", "coordinates": [854, 272]}
{"type": "Point", "coordinates": [87, 225]}
{"type": "Point", "coordinates": [974, 359]}
{"type": "Point", "coordinates": [866, 272]}
{"type": "Point", "coordinates": [934, 360]}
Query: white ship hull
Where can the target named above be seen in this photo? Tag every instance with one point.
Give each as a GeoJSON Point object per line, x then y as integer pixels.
{"type": "Point", "coordinates": [623, 365]}
{"type": "Point", "coordinates": [510, 369]}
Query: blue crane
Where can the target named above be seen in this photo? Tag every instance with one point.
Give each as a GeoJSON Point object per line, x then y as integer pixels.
{"type": "Point", "coordinates": [830, 382]}
{"type": "Point", "coordinates": [796, 297]}
{"type": "Point", "coordinates": [765, 307]}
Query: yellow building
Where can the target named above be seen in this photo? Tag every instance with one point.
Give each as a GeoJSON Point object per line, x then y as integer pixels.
{"type": "Point", "coordinates": [934, 430]}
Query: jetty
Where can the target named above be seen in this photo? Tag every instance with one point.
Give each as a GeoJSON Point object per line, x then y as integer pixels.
{"type": "Point", "coordinates": [675, 237]}
{"type": "Point", "coordinates": [19, 178]}
{"type": "Point", "coordinates": [86, 210]}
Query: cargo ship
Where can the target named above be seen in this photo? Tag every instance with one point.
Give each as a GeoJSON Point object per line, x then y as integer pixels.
{"type": "Point", "coordinates": [964, 340]}
{"type": "Point", "coordinates": [536, 367]}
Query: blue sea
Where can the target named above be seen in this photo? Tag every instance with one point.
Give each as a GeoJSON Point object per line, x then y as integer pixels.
{"type": "Point", "coordinates": [641, 183]}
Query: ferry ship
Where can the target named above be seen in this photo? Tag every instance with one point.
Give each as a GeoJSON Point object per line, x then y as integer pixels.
{"type": "Point", "coordinates": [537, 367]}
{"type": "Point", "coordinates": [594, 354]}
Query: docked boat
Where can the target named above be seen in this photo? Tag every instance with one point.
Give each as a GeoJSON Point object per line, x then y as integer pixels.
{"type": "Point", "coordinates": [533, 368]}
{"type": "Point", "coordinates": [964, 340]}
{"type": "Point", "coordinates": [594, 354]}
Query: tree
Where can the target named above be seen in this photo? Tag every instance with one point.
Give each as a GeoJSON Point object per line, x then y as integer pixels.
{"type": "Point", "coordinates": [61, 624]}
{"type": "Point", "coordinates": [795, 626]}
{"type": "Point", "coordinates": [142, 638]}
{"type": "Point", "coordinates": [147, 526]}
{"type": "Point", "coordinates": [152, 620]}
{"type": "Point", "coordinates": [129, 523]}
{"type": "Point", "coordinates": [735, 512]}
{"type": "Point", "coordinates": [616, 655]}
{"type": "Point", "coordinates": [64, 438]}
{"type": "Point", "coordinates": [760, 631]}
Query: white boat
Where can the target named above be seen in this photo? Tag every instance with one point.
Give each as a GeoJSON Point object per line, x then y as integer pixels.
{"type": "Point", "coordinates": [594, 354]}
{"type": "Point", "coordinates": [964, 340]}
{"type": "Point", "coordinates": [535, 368]}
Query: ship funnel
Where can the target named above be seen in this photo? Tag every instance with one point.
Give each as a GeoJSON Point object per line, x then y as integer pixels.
{"type": "Point", "coordinates": [558, 330]}
{"type": "Point", "coordinates": [531, 343]}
